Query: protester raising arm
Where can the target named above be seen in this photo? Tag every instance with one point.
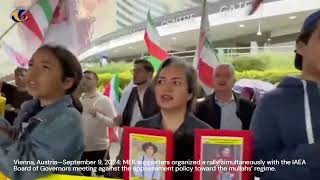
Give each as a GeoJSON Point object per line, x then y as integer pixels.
{"type": "Point", "coordinates": [105, 111]}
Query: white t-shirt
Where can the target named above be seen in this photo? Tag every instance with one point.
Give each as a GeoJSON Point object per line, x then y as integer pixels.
{"type": "Point", "coordinates": [95, 128]}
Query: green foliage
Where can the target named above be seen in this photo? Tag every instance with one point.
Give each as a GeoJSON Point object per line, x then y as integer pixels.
{"type": "Point", "coordinates": [111, 68]}
{"type": "Point", "coordinates": [272, 76]}
{"type": "Point", "coordinates": [124, 77]}
{"type": "Point", "coordinates": [271, 67]}
{"type": "Point", "coordinates": [245, 63]}
{"type": "Point", "coordinates": [272, 60]}
{"type": "Point", "coordinates": [283, 61]}
{"type": "Point", "coordinates": [104, 79]}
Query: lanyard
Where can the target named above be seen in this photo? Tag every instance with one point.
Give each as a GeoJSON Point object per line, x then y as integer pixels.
{"type": "Point", "coordinates": [307, 112]}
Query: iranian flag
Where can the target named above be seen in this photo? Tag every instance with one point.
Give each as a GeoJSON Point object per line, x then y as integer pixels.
{"type": "Point", "coordinates": [39, 17]}
{"type": "Point", "coordinates": [55, 22]}
{"type": "Point", "coordinates": [205, 59]}
{"type": "Point", "coordinates": [69, 29]}
{"type": "Point", "coordinates": [19, 59]}
{"type": "Point", "coordinates": [152, 41]}
{"type": "Point", "coordinates": [112, 91]}
{"type": "Point", "coordinates": [34, 30]}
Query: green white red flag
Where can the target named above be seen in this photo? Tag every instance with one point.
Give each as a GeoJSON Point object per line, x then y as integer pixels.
{"type": "Point", "coordinates": [205, 59]}
{"type": "Point", "coordinates": [152, 41]}
{"type": "Point", "coordinates": [40, 16]}
{"type": "Point", "coordinates": [55, 22]}
{"type": "Point", "coordinates": [112, 91]}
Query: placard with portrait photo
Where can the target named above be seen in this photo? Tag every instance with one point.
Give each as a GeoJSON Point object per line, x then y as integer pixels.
{"type": "Point", "coordinates": [147, 152]}
{"type": "Point", "coordinates": [223, 153]}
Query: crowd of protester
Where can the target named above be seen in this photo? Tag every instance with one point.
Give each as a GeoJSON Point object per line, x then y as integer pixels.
{"type": "Point", "coordinates": [55, 111]}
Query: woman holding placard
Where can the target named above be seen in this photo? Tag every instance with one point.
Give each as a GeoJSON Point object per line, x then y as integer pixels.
{"type": "Point", "coordinates": [176, 91]}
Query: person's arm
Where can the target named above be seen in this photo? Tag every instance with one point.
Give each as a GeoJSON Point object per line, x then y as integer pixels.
{"type": "Point", "coordinates": [58, 140]}
{"type": "Point", "coordinates": [105, 111]}
{"type": "Point", "coordinates": [269, 145]}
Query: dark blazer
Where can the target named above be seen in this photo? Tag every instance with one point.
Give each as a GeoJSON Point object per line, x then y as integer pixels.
{"type": "Point", "coordinates": [149, 105]}
{"type": "Point", "coordinates": [210, 112]}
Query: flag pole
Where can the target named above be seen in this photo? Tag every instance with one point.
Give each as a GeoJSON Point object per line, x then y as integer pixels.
{"type": "Point", "coordinates": [13, 25]}
{"type": "Point", "coordinates": [7, 31]}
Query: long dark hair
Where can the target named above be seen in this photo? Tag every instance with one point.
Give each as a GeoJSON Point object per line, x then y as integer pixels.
{"type": "Point", "coordinates": [190, 74]}
{"type": "Point", "coordinates": [71, 68]}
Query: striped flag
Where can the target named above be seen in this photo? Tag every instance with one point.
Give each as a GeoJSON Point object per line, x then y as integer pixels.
{"type": "Point", "coordinates": [56, 22]}
{"type": "Point", "coordinates": [112, 91]}
{"type": "Point", "coordinates": [205, 59]}
{"type": "Point", "coordinates": [34, 30]}
{"type": "Point", "coordinates": [39, 17]}
{"type": "Point", "coordinates": [152, 41]}
{"type": "Point", "coordinates": [69, 29]}
{"type": "Point", "coordinates": [19, 59]}
{"type": "Point", "coordinates": [255, 5]}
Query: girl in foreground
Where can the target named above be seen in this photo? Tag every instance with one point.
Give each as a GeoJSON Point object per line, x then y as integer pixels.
{"type": "Point", "coordinates": [175, 89]}
{"type": "Point", "coordinates": [47, 127]}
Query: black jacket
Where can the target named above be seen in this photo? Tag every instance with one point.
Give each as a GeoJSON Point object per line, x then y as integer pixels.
{"type": "Point", "coordinates": [149, 105]}
{"type": "Point", "coordinates": [210, 112]}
